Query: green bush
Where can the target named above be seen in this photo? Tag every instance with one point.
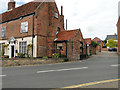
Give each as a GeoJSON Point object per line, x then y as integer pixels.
{"type": "Point", "coordinates": [45, 57]}
{"type": "Point", "coordinates": [55, 55]}
{"type": "Point", "coordinates": [94, 44]}
{"type": "Point", "coordinates": [62, 56]}
{"type": "Point", "coordinates": [27, 55]}
{"type": "Point", "coordinates": [21, 55]}
{"type": "Point", "coordinates": [66, 59]}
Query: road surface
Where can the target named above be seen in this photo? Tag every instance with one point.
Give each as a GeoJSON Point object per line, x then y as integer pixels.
{"type": "Point", "coordinates": [101, 67]}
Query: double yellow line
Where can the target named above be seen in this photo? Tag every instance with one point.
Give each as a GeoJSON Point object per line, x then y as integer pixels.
{"type": "Point", "coordinates": [92, 83]}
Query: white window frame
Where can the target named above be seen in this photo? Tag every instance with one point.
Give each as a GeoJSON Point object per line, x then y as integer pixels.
{"type": "Point", "coordinates": [24, 27]}
{"type": "Point", "coordinates": [56, 15]}
{"type": "Point", "coordinates": [59, 45]}
{"type": "Point", "coordinates": [23, 47]}
{"type": "Point", "coordinates": [3, 31]}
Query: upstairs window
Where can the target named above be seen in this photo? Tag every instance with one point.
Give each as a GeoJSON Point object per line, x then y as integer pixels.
{"type": "Point", "coordinates": [56, 15]}
{"type": "Point", "coordinates": [98, 42]}
{"type": "Point", "coordinates": [59, 29]}
{"type": "Point", "coordinates": [23, 47]}
{"type": "Point", "coordinates": [3, 31]}
{"type": "Point", "coordinates": [24, 27]}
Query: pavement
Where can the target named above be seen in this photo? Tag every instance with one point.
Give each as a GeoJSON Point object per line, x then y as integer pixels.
{"type": "Point", "coordinates": [102, 68]}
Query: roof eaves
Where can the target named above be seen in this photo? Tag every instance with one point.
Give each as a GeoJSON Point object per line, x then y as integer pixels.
{"type": "Point", "coordinates": [18, 18]}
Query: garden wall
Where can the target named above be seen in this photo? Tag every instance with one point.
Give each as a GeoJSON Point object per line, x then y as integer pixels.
{"type": "Point", "coordinates": [24, 62]}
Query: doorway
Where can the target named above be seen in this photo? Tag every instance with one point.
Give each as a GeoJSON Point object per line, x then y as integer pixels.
{"type": "Point", "coordinates": [12, 51]}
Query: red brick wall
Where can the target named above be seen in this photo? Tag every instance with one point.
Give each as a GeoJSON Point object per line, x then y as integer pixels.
{"type": "Point", "coordinates": [118, 34]}
{"type": "Point", "coordinates": [47, 26]}
{"type": "Point", "coordinates": [73, 46]}
{"type": "Point", "coordinates": [99, 47]}
{"type": "Point", "coordinates": [93, 50]}
{"type": "Point", "coordinates": [13, 28]}
{"type": "Point", "coordinates": [104, 49]}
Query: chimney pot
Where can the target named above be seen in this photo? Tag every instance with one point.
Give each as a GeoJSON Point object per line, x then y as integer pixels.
{"type": "Point", "coordinates": [61, 10]}
{"type": "Point", "coordinates": [11, 4]}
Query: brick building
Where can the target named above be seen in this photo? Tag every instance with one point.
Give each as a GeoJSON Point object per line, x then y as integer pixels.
{"type": "Point", "coordinates": [33, 23]}
{"type": "Point", "coordinates": [36, 24]}
{"type": "Point", "coordinates": [90, 49]}
{"type": "Point", "coordinates": [71, 44]}
{"type": "Point", "coordinates": [100, 42]}
{"type": "Point", "coordinates": [118, 35]}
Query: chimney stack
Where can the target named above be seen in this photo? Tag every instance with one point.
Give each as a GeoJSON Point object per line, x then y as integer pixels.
{"type": "Point", "coordinates": [61, 10]}
{"type": "Point", "coordinates": [11, 4]}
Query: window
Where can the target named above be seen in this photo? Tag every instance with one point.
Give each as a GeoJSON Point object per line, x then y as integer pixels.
{"type": "Point", "coordinates": [3, 31]}
{"type": "Point", "coordinates": [98, 42]}
{"type": "Point", "coordinates": [59, 29]}
{"type": "Point", "coordinates": [59, 46]}
{"type": "Point", "coordinates": [24, 27]}
{"type": "Point", "coordinates": [1, 46]}
{"type": "Point", "coordinates": [56, 15]}
{"type": "Point", "coordinates": [23, 47]}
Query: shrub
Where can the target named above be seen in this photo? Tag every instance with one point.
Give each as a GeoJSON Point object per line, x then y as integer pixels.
{"type": "Point", "coordinates": [62, 56]}
{"type": "Point", "coordinates": [21, 55]}
{"type": "Point", "coordinates": [27, 55]}
{"type": "Point", "coordinates": [66, 59]}
{"type": "Point", "coordinates": [94, 44]}
{"type": "Point", "coordinates": [45, 57]}
{"type": "Point", "coordinates": [55, 55]}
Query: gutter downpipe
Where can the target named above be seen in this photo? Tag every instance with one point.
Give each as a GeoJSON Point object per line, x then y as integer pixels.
{"type": "Point", "coordinates": [66, 49]}
{"type": "Point", "coordinates": [33, 35]}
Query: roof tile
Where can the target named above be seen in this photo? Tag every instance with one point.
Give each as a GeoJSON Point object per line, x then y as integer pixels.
{"type": "Point", "coordinates": [20, 11]}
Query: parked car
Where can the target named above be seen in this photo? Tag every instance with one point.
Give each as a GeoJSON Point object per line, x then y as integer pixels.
{"type": "Point", "coordinates": [112, 49]}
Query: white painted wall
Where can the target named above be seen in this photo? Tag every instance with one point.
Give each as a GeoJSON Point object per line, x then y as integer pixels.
{"type": "Point", "coordinates": [29, 41]}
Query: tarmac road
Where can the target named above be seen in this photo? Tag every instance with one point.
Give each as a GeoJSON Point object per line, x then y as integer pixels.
{"type": "Point", "coordinates": [101, 67]}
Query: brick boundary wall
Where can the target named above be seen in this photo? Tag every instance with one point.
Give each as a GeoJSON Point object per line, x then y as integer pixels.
{"type": "Point", "coordinates": [27, 62]}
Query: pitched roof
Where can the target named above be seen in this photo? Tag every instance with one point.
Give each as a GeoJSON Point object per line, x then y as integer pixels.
{"type": "Point", "coordinates": [88, 40]}
{"type": "Point", "coordinates": [66, 35]}
{"type": "Point", "coordinates": [97, 38]}
{"type": "Point", "coordinates": [111, 37]}
{"type": "Point", "coordinates": [20, 11]}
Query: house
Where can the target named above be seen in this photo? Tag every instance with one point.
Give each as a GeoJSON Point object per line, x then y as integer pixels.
{"type": "Point", "coordinates": [100, 42]}
{"type": "Point", "coordinates": [110, 37]}
{"type": "Point", "coordinates": [90, 49]}
{"type": "Point", "coordinates": [118, 35]}
{"type": "Point", "coordinates": [35, 24]}
{"type": "Point", "coordinates": [37, 29]}
{"type": "Point", "coordinates": [71, 44]}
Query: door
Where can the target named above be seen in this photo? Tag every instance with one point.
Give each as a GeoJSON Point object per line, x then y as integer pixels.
{"type": "Point", "coordinates": [12, 51]}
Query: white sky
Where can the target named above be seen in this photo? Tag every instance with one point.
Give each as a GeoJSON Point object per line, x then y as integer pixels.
{"type": "Point", "coordinates": [95, 18]}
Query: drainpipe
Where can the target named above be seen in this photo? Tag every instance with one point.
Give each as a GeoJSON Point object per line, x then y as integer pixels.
{"type": "Point", "coordinates": [33, 35]}
{"type": "Point", "coordinates": [86, 50]}
{"type": "Point", "coordinates": [66, 48]}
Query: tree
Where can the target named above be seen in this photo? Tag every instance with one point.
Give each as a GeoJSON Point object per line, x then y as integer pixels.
{"type": "Point", "coordinates": [111, 43]}
{"type": "Point", "coordinates": [94, 44]}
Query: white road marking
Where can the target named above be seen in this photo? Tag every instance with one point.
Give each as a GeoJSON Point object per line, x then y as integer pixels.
{"type": "Point", "coordinates": [3, 75]}
{"type": "Point", "coordinates": [61, 70]}
{"type": "Point", "coordinates": [115, 65]}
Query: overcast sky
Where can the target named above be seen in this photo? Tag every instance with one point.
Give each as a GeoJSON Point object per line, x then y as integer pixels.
{"type": "Point", "coordinates": [95, 18]}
